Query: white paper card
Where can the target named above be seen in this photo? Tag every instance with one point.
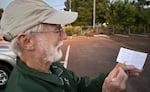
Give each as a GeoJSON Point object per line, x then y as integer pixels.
{"type": "Point", "coordinates": [131, 57]}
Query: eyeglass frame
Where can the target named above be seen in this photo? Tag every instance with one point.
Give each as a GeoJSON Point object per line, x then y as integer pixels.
{"type": "Point", "coordinates": [59, 30]}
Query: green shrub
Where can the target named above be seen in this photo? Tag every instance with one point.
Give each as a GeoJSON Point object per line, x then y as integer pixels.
{"type": "Point", "coordinates": [70, 30]}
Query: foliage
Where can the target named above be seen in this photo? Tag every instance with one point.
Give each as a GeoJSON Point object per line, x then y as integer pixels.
{"type": "Point", "coordinates": [85, 11]}
{"type": "Point", "coordinates": [1, 12]}
{"type": "Point", "coordinates": [70, 30]}
{"type": "Point", "coordinates": [121, 13]}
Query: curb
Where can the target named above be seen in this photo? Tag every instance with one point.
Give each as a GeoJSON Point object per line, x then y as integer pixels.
{"type": "Point", "coordinates": [106, 36]}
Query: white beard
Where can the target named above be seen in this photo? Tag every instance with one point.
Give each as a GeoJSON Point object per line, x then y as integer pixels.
{"type": "Point", "coordinates": [54, 54]}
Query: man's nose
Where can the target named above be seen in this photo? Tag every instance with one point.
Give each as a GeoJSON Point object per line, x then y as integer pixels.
{"type": "Point", "coordinates": [63, 35]}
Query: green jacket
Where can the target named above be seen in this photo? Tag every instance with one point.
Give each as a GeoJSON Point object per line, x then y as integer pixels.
{"type": "Point", "coordinates": [25, 79]}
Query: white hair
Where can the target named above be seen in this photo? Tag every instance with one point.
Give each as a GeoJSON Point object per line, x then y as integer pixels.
{"type": "Point", "coordinates": [14, 45]}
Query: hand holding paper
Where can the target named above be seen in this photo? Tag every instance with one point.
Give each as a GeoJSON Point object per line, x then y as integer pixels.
{"type": "Point", "coordinates": [117, 72]}
{"type": "Point", "coordinates": [116, 80]}
{"type": "Point", "coordinates": [131, 57]}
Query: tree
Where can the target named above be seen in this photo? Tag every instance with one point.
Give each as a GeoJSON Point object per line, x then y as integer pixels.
{"type": "Point", "coordinates": [120, 13]}
{"type": "Point", "coordinates": [141, 3]}
{"type": "Point", "coordinates": [1, 12]}
{"type": "Point", "coordinates": [85, 11]}
{"type": "Point", "coordinates": [123, 14]}
{"type": "Point", "coordinates": [102, 11]}
{"type": "Point", "coordinates": [147, 3]}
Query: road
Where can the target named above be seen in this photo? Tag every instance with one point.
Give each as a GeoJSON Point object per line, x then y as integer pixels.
{"type": "Point", "coordinates": [90, 56]}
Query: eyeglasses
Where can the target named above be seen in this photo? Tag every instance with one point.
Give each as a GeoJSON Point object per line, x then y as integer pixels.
{"type": "Point", "coordinates": [58, 31]}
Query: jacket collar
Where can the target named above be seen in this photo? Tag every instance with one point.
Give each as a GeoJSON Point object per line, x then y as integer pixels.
{"type": "Point", "coordinates": [53, 77]}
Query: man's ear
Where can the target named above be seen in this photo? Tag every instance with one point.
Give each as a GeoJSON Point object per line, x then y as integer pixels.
{"type": "Point", "coordinates": [25, 41]}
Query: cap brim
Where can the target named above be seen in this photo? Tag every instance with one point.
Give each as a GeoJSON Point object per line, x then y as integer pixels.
{"type": "Point", "coordinates": [61, 17]}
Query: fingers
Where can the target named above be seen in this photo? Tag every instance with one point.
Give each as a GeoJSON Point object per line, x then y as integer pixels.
{"type": "Point", "coordinates": [116, 80]}
{"type": "Point", "coordinates": [130, 70]}
{"type": "Point", "coordinates": [133, 73]}
{"type": "Point", "coordinates": [118, 84]}
{"type": "Point", "coordinates": [122, 77]}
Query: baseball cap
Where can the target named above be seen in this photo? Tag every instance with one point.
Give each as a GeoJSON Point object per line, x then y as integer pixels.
{"type": "Point", "coordinates": [20, 15]}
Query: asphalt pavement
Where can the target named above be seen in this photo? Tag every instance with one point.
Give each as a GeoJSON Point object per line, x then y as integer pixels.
{"type": "Point", "coordinates": [90, 56]}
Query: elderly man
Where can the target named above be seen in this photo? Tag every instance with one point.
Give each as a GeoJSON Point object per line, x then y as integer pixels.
{"type": "Point", "coordinates": [34, 31]}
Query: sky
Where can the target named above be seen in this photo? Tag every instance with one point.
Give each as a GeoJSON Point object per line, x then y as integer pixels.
{"type": "Point", "coordinates": [57, 4]}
